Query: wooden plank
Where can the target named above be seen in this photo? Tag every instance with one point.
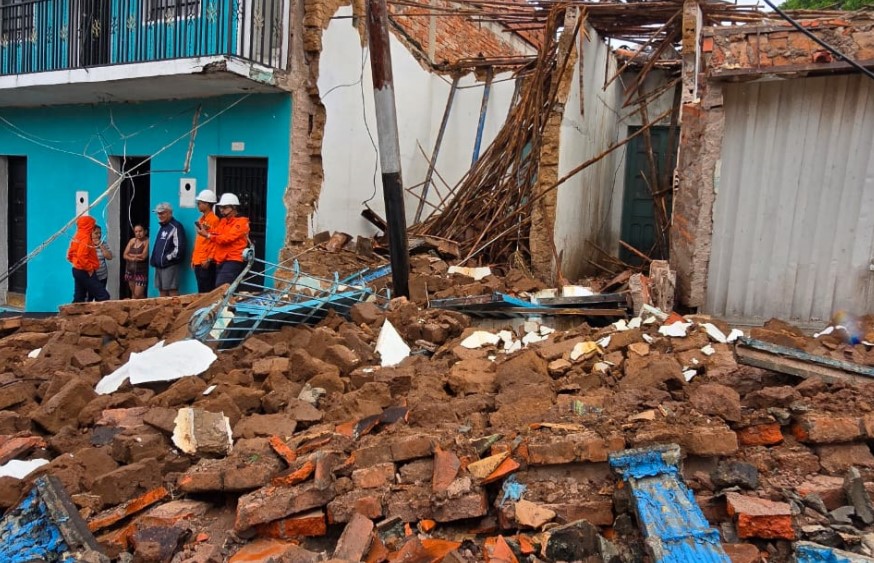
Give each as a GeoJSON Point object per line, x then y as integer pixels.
{"type": "Point", "coordinates": [729, 73]}
{"type": "Point", "coordinates": [804, 356]}
{"type": "Point", "coordinates": [585, 300]}
{"type": "Point", "coordinates": [10, 323]}
{"type": "Point", "coordinates": [796, 365]}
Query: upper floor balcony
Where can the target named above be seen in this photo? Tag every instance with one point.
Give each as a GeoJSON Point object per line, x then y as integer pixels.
{"type": "Point", "coordinates": [129, 50]}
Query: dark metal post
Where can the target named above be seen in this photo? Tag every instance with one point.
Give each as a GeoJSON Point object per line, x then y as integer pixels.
{"type": "Point", "coordinates": [389, 150]}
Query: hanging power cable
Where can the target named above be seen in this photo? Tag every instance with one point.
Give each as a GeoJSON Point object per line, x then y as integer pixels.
{"type": "Point", "coordinates": [819, 41]}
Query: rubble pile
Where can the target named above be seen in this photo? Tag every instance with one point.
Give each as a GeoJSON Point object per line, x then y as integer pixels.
{"type": "Point", "coordinates": [481, 445]}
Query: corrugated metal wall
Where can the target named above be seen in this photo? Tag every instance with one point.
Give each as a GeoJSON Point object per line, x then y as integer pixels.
{"type": "Point", "coordinates": [793, 233]}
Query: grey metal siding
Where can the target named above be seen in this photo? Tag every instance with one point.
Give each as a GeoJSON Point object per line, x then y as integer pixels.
{"type": "Point", "coordinates": [793, 225]}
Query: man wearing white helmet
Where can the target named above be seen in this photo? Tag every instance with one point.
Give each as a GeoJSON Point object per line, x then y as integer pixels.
{"type": "Point", "coordinates": [203, 256]}
{"type": "Point", "coordinates": [230, 238]}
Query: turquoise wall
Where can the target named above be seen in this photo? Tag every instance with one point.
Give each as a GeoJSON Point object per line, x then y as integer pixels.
{"type": "Point", "coordinates": [55, 139]}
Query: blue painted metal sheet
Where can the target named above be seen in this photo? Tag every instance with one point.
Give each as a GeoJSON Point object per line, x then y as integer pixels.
{"type": "Point", "coordinates": [806, 552]}
{"type": "Point", "coordinates": [671, 521]}
{"type": "Point", "coordinates": [45, 526]}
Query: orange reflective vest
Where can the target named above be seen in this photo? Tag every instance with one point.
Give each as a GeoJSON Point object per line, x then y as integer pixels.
{"type": "Point", "coordinates": [204, 248]}
{"type": "Point", "coordinates": [230, 237]}
{"type": "Point", "coordinates": [82, 254]}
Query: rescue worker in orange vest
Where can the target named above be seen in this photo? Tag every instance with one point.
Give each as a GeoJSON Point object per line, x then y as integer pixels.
{"type": "Point", "coordinates": [230, 238]}
{"type": "Point", "coordinates": [82, 254]}
{"type": "Point", "coordinates": [203, 256]}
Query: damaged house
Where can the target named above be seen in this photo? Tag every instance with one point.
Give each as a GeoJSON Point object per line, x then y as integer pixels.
{"type": "Point", "coordinates": [129, 103]}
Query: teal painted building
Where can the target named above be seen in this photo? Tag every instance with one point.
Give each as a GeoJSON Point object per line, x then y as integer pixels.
{"type": "Point", "coordinates": [129, 103]}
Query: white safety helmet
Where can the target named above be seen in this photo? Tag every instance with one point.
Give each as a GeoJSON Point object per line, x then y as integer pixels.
{"type": "Point", "coordinates": [229, 199]}
{"type": "Point", "coordinates": [206, 196]}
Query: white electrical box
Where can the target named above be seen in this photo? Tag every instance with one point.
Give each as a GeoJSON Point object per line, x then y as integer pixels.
{"type": "Point", "coordinates": [187, 192]}
{"type": "Point", "coordinates": [81, 203]}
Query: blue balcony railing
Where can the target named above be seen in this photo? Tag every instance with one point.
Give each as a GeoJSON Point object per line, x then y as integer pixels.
{"type": "Point", "coordinates": [47, 35]}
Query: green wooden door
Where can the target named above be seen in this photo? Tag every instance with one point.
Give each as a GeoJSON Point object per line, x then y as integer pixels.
{"type": "Point", "coordinates": [640, 223]}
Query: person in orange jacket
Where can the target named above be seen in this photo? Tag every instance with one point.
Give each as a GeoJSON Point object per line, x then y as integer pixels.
{"type": "Point", "coordinates": [202, 258]}
{"type": "Point", "coordinates": [82, 254]}
{"type": "Point", "coordinates": [230, 238]}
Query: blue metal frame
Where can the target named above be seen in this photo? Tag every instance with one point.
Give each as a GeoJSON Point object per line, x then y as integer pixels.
{"type": "Point", "coordinates": [69, 34]}
{"type": "Point", "coordinates": [284, 296]}
{"type": "Point", "coordinates": [672, 523]}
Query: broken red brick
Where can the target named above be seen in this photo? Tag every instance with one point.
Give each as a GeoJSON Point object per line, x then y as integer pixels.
{"type": "Point", "coordinates": [296, 477]}
{"type": "Point", "coordinates": [425, 526]}
{"type": "Point", "coordinates": [14, 447]}
{"type": "Point", "coordinates": [437, 549]}
{"type": "Point", "coordinates": [760, 435]}
{"type": "Point", "coordinates": [310, 524]}
{"type": "Point", "coordinates": [760, 518]}
{"type": "Point", "coordinates": [355, 539]}
{"type": "Point", "coordinates": [378, 552]}
{"type": "Point", "coordinates": [114, 515]}
{"type": "Point", "coordinates": [282, 450]}
{"type": "Point", "coordinates": [498, 551]}
{"type": "Point", "coordinates": [742, 552]}
{"type": "Point", "coordinates": [826, 429]}
{"type": "Point", "coordinates": [269, 550]}
{"type": "Point", "coordinates": [446, 467]}
{"type": "Point", "coordinates": [375, 476]}
{"type": "Point", "coordinates": [507, 467]}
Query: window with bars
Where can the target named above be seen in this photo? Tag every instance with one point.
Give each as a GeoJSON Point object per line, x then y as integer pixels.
{"type": "Point", "coordinates": [171, 9]}
{"type": "Point", "coordinates": [16, 19]}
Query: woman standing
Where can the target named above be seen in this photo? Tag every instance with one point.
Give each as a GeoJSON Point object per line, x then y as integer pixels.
{"type": "Point", "coordinates": [230, 237]}
{"type": "Point", "coordinates": [136, 271]}
{"type": "Point", "coordinates": [103, 254]}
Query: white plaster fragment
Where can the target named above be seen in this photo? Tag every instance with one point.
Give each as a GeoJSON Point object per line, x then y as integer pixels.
{"type": "Point", "coordinates": [479, 339]}
{"type": "Point", "coordinates": [533, 337]}
{"type": "Point", "coordinates": [576, 291]}
{"type": "Point", "coordinates": [584, 350]}
{"type": "Point", "coordinates": [171, 362]}
{"type": "Point", "coordinates": [546, 330]}
{"type": "Point", "coordinates": [649, 320]}
{"type": "Point", "coordinates": [620, 325]}
{"type": "Point", "coordinates": [34, 353]}
{"type": "Point", "coordinates": [18, 469]}
{"type": "Point", "coordinates": [209, 389]}
{"type": "Point", "coordinates": [654, 311]}
{"type": "Point", "coordinates": [601, 367]}
{"type": "Point", "coordinates": [714, 333]}
{"type": "Point", "coordinates": [604, 342]}
{"type": "Point", "coordinates": [649, 339]}
{"type": "Point", "coordinates": [391, 347]}
{"type": "Point", "coordinates": [634, 323]}
{"type": "Point", "coordinates": [476, 273]}
{"type": "Point", "coordinates": [824, 332]}
{"type": "Point", "coordinates": [708, 350]}
{"type": "Point", "coordinates": [689, 374]}
{"type": "Point", "coordinates": [515, 347]}
{"type": "Point", "coordinates": [506, 336]}
{"type": "Point", "coordinates": [734, 335]}
{"type": "Point", "coordinates": [675, 330]}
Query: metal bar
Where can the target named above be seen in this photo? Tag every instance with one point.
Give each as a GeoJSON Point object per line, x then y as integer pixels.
{"type": "Point", "coordinates": [794, 353]}
{"type": "Point", "coordinates": [389, 149]}
{"type": "Point", "coordinates": [436, 152]}
{"type": "Point", "coordinates": [490, 74]}
{"type": "Point", "coordinates": [585, 300]}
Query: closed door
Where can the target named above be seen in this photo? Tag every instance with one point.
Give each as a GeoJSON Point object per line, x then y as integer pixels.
{"type": "Point", "coordinates": [17, 222]}
{"type": "Point", "coordinates": [247, 179]}
{"type": "Point", "coordinates": [644, 217]}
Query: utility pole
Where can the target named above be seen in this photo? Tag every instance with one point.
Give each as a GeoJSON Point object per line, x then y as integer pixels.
{"type": "Point", "coordinates": [389, 150]}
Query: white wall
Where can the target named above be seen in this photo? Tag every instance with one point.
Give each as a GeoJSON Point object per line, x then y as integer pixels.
{"type": "Point", "coordinates": [590, 204]}
{"type": "Point", "coordinates": [348, 155]}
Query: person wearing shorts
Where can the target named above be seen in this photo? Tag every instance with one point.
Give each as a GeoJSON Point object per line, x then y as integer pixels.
{"type": "Point", "coordinates": [168, 251]}
{"type": "Point", "coordinates": [136, 269]}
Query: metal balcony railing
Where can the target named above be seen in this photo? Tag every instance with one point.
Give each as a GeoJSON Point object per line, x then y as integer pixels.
{"type": "Point", "coordinates": [48, 35]}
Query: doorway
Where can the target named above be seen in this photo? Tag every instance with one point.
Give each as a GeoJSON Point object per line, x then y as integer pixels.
{"type": "Point", "coordinates": [16, 228]}
{"type": "Point", "coordinates": [247, 178]}
{"type": "Point", "coordinates": [647, 201]}
{"type": "Point", "coordinates": [95, 32]}
{"type": "Point", "coordinates": [133, 208]}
